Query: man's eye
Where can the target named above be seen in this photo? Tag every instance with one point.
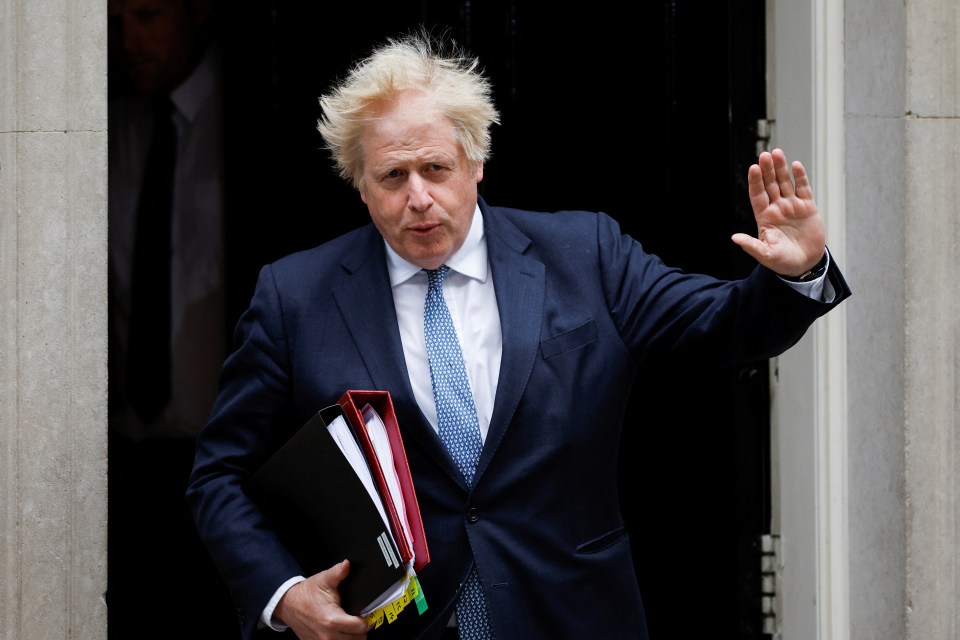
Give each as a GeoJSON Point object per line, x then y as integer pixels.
{"type": "Point", "coordinates": [393, 174]}
{"type": "Point", "coordinates": [435, 167]}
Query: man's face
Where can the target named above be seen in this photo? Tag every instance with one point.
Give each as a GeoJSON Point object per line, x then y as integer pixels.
{"type": "Point", "coordinates": [154, 42]}
{"type": "Point", "coordinates": [418, 185]}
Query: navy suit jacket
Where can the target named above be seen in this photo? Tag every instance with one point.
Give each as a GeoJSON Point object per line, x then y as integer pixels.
{"type": "Point", "coordinates": [582, 306]}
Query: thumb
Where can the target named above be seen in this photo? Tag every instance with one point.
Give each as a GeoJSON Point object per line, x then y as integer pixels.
{"type": "Point", "coordinates": [342, 570]}
{"type": "Point", "coordinates": [751, 245]}
{"type": "Point", "coordinates": [336, 574]}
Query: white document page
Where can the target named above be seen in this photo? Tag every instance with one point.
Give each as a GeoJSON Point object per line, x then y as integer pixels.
{"type": "Point", "coordinates": [343, 436]}
{"type": "Point", "coordinates": [381, 444]}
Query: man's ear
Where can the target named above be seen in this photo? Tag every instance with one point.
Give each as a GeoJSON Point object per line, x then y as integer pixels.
{"type": "Point", "coordinates": [479, 172]}
{"type": "Point", "coordinates": [363, 193]}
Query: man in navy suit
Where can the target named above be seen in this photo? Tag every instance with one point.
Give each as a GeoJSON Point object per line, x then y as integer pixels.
{"type": "Point", "coordinates": [554, 313]}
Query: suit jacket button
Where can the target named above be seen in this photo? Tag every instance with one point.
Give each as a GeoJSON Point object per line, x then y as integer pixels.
{"type": "Point", "coordinates": [473, 514]}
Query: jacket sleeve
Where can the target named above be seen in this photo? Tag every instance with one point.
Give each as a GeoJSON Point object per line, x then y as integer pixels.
{"type": "Point", "coordinates": [664, 312]}
{"type": "Point", "coordinates": [247, 423]}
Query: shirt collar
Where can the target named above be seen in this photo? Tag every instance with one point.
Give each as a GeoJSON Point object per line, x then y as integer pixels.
{"type": "Point", "coordinates": [193, 92]}
{"type": "Point", "coordinates": [470, 259]}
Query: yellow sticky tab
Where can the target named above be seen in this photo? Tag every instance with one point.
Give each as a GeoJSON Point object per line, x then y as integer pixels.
{"type": "Point", "coordinates": [413, 588]}
{"type": "Point", "coordinates": [375, 618]}
{"type": "Point", "coordinates": [390, 612]}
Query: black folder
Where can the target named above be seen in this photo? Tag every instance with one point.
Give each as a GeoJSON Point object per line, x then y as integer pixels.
{"type": "Point", "coordinates": [322, 512]}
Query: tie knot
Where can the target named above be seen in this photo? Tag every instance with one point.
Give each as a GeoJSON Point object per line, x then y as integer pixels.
{"type": "Point", "coordinates": [435, 276]}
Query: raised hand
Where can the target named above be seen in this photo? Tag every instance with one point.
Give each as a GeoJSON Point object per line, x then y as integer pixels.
{"type": "Point", "coordinates": [790, 232]}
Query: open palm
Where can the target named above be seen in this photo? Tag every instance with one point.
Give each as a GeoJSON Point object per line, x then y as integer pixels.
{"type": "Point", "coordinates": [790, 232]}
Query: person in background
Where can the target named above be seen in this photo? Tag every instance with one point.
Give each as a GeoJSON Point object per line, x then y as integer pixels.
{"type": "Point", "coordinates": [509, 341]}
{"type": "Point", "coordinates": [167, 325]}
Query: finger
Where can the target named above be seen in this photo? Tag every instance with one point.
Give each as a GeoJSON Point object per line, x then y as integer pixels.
{"type": "Point", "coordinates": [769, 174]}
{"type": "Point", "coordinates": [804, 190]}
{"type": "Point", "coordinates": [782, 169]}
{"type": "Point", "coordinates": [756, 190]}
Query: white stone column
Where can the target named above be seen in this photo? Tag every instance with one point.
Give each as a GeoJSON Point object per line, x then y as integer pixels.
{"type": "Point", "coordinates": [53, 322]}
{"type": "Point", "coordinates": [903, 150]}
{"type": "Point", "coordinates": [931, 320]}
{"type": "Point", "coordinates": [875, 58]}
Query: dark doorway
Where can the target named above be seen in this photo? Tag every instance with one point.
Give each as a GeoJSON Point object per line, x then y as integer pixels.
{"type": "Point", "coordinates": [646, 111]}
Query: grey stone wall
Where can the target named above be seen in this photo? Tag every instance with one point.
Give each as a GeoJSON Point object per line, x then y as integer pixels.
{"type": "Point", "coordinates": [902, 75]}
{"type": "Point", "coordinates": [53, 305]}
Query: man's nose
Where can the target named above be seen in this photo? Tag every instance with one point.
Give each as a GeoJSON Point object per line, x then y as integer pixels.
{"type": "Point", "coordinates": [418, 193]}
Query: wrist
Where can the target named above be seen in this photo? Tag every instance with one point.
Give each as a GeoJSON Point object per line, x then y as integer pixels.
{"type": "Point", "coordinates": [813, 273]}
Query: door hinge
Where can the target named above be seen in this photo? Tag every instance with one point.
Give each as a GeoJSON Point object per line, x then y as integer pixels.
{"type": "Point", "coordinates": [770, 571]}
{"type": "Point", "coordinates": [764, 133]}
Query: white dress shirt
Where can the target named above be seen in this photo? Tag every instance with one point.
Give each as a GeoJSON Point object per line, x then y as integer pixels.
{"type": "Point", "coordinates": [468, 291]}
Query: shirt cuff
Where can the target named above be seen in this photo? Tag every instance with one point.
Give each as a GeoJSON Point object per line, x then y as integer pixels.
{"type": "Point", "coordinates": [266, 618]}
{"type": "Point", "coordinates": [820, 289]}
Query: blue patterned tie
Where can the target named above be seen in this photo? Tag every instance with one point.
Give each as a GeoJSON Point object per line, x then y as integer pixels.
{"type": "Point", "coordinates": [458, 426]}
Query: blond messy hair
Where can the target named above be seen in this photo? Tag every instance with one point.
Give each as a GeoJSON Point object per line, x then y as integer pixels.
{"type": "Point", "coordinates": [434, 66]}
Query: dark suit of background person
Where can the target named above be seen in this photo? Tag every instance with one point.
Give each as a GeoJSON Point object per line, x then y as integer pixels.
{"type": "Point", "coordinates": [581, 307]}
{"type": "Point", "coordinates": [165, 48]}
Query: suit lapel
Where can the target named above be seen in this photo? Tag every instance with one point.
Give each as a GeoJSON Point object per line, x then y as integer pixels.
{"type": "Point", "coordinates": [519, 283]}
{"type": "Point", "coordinates": [365, 300]}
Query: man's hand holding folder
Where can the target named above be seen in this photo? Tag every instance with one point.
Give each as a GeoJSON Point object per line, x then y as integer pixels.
{"type": "Point", "coordinates": [340, 489]}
